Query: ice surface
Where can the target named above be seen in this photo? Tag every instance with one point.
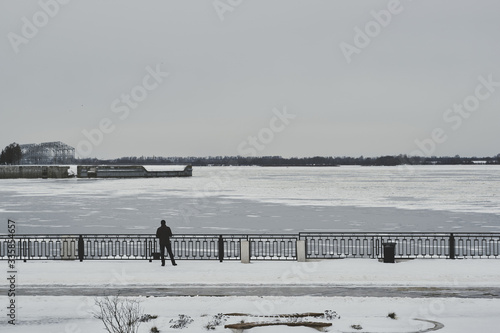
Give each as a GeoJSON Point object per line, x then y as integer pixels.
{"type": "Point", "coordinates": [256, 199]}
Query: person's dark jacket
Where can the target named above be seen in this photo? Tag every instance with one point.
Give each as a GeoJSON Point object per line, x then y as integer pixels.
{"type": "Point", "coordinates": [164, 233]}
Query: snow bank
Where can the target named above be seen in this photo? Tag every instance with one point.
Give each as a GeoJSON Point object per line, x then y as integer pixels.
{"type": "Point", "coordinates": [73, 314]}
{"type": "Point", "coordinates": [46, 314]}
{"type": "Point", "coordinates": [345, 272]}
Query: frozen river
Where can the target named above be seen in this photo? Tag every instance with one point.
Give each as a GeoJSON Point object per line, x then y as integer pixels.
{"type": "Point", "coordinates": [255, 200]}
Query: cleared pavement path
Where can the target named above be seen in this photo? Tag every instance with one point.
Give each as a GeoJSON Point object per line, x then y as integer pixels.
{"type": "Point", "coordinates": [261, 290]}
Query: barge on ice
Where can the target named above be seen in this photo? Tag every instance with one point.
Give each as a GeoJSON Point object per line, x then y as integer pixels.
{"type": "Point", "coordinates": [132, 171]}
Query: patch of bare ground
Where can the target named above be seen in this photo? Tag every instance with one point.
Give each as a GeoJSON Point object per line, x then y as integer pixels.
{"type": "Point", "coordinates": [245, 326]}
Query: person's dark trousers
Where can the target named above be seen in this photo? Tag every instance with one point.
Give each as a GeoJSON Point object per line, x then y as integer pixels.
{"type": "Point", "coordinates": [170, 254]}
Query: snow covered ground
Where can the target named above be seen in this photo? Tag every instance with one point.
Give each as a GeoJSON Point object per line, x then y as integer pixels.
{"type": "Point", "coordinates": [345, 272]}
{"type": "Point", "coordinates": [73, 314]}
{"type": "Point", "coordinates": [43, 314]}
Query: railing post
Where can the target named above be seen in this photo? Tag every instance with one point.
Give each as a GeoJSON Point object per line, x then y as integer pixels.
{"type": "Point", "coordinates": [452, 246]}
{"type": "Point", "coordinates": [245, 251]}
{"type": "Point", "coordinates": [301, 251]}
{"type": "Point", "coordinates": [26, 252]}
{"type": "Point", "coordinates": [81, 248]}
{"type": "Point", "coordinates": [221, 248]}
{"type": "Point", "coordinates": [148, 253]}
{"type": "Point", "coordinates": [373, 247]}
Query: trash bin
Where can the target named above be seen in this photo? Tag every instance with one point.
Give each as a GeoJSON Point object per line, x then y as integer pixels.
{"type": "Point", "coordinates": [389, 251]}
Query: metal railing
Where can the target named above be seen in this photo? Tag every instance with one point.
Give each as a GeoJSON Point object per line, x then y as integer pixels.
{"type": "Point", "coordinates": [117, 247]}
{"type": "Point", "coordinates": [328, 245]}
{"type": "Point", "coordinates": [474, 245]}
{"type": "Point", "coordinates": [145, 247]}
{"type": "Point", "coordinates": [323, 245]}
{"type": "Point", "coordinates": [205, 247]}
{"type": "Point", "coordinates": [273, 247]}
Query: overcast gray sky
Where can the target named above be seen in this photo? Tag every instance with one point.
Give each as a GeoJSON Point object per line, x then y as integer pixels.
{"type": "Point", "coordinates": [260, 77]}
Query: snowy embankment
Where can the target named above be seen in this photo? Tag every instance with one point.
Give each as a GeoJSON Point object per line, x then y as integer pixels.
{"type": "Point", "coordinates": [74, 314]}
{"type": "Point", "coordinates": [347, 272]}
{"type": "Point", "coordinates": [46, 314]}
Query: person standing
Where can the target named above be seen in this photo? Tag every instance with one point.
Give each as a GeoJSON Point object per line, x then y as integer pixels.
{"type": "Point", "coordinates": [164, 233]}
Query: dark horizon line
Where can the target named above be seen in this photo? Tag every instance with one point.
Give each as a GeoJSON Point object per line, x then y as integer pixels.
{"type": "Point", "coordinates": [292, 157]}
{"type": "Point", "coordinates": [387, 160]}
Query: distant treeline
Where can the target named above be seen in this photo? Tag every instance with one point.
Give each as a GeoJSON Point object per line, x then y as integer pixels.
{"type": "Point", "coordinates": [294, 161]}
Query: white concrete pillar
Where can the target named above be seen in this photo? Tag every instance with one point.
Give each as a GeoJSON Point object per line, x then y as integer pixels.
{"type": "Point", "coordinates": [301, 251]}
{"type": "Point", "coordinates": [245, 251]}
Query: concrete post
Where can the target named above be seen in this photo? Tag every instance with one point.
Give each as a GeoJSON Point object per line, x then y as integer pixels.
{"type": "Point", "coordinates": [245, 252]}
{"type": "Point", "coordinates": [301, 251]}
